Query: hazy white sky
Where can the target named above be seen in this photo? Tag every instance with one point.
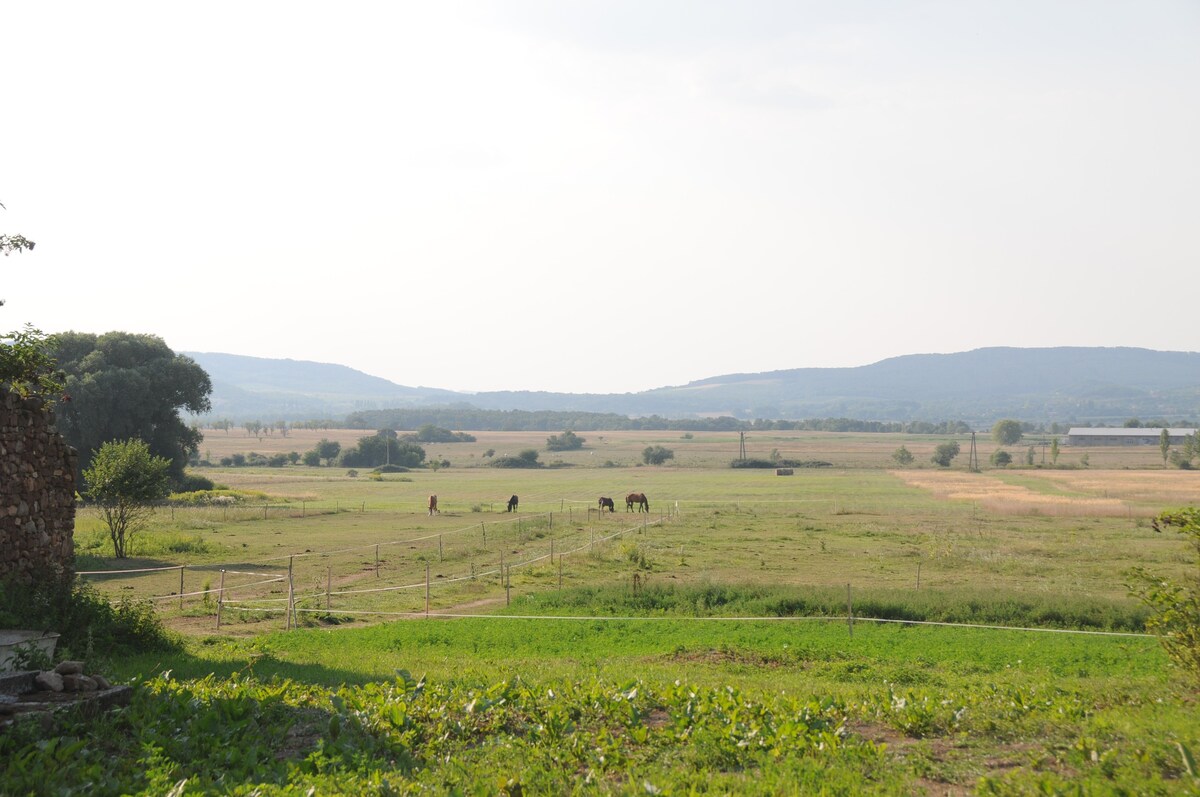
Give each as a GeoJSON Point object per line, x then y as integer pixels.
{"type": "Point", "coordinates": [603, 196]}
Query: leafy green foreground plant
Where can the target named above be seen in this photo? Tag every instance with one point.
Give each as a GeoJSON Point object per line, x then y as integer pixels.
{"type": "Point", "coordinates": [409, 736]}
{"type": "Point", "coordinates": [1176, 604]}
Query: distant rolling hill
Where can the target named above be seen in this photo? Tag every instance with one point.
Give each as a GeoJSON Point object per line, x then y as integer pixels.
{"type": "Point", "coordinates": [259, 388]}
{"type": "Point", "coordinates": [1071, 384]}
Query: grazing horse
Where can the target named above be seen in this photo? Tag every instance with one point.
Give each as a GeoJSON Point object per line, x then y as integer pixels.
{"type": "Point", "coordinates": [433, 505]}
{"type": "Point", "coordinates": [639, 499]}
{"type": "Point", "coordinates": [512, 504]}
{"type": "Point", "coordinates": [607, 503]}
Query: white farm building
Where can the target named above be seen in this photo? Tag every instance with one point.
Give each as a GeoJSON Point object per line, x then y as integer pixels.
{"type": "Point", "coordinates": [1087, 436]}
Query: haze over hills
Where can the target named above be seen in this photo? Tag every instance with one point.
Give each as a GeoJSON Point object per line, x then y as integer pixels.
{"type": "Point", "coordinates": [1066, 384]}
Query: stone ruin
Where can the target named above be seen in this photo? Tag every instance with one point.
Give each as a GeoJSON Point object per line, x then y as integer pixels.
{"type": "Point", "coordinates": [37, 492]}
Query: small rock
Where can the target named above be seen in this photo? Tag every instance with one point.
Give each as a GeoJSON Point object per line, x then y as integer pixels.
{"type": "Point", "coordinates": [87, 683]}
{"type": "Point", "coordinates": [101, 682]}
{"type": "Point", "coordinates": [69, 668]}
{"type": "Point", "coordinates": [49, 681]}
{"type": "Point", "coordinates": [71, 683]}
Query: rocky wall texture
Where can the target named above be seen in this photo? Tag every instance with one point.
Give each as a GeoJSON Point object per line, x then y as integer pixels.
{"type": "Point", "coordinates": [37, 492]}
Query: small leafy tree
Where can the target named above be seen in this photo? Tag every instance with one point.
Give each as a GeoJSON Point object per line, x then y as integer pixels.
{"type": "Point", "coordinates": [656, 455]}
{"type": "Point", "coordinates": [328, 450]}
{"type": "Point", "coordinates": [903, 456]}
{"type": "Point", "coordinates": [1176, 604]}
{"type": "Point", "coordinates": [124, 479]}
{"type": "Point", "coordinates": [1001, 458]}
{"type": "Point", "coordinates": [1054, 451]}
{"type": "Point", "coordinates": [1007, 432]}
{"type": "Point", "coordinates": [312, 458]}
{"type": "Point", "coordinates": [1164, 445]}
{"type": "Point", "coordinates": [1030, 455]}
{"type": "Point", "coordinates": [945, 453]}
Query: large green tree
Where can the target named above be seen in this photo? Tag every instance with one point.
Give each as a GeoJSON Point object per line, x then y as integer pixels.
{"type": "Point", "coordinates": [1007, 432]}
{"type": "Point", "coordinates": [125, 479]}
{"type": "Point", "coordinates": [121, 386]}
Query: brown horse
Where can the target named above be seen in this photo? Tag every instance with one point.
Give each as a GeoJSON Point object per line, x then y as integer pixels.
{"type": "Point", "coordinates": [512, 504]}
{"type": "Point", "coordinates": [607, 503]}
{"type": "Point", "coordinates": [433, 505]}
{"type": "Point", "coordinates": [639, 499]}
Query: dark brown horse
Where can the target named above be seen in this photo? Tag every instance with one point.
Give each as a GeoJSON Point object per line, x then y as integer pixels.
{"type": "Point", "coordinates": [512, 504]}
{"type": "Point", "coordinates": [433, 505]}
{"type": "Point", "coordinates": [607, 503]}
{"type": "Point", "coordinates": [639, 499]}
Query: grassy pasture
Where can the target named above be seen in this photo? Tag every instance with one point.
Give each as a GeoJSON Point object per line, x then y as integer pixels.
{"type": "Point", "coordinates": [683, 697]}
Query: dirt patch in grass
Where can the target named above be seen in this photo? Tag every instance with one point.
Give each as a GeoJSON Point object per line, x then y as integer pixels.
{"type": "Point", "coordinates": [993, 495]}
{"type": "Point", "coordinates": [722, 657]}
{"type": "Point", "coordinates": [954, 766]}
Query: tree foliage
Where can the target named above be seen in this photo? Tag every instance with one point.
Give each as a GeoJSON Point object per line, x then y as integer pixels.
{"type": "Point", "coordinates": [124, 386]}
{"type": "Point", "coordinates": [656, 455]}
{"type": "Point", "coordinates": [1007, 432]}
{"type": "Point", "coordinates": [383, 448]}
{"type": "Point", "coordinates": [1176, 604]}
{"type": "Point", "coordinates": [903, 456]}
{"type": "Point", "coordinates": [125, 479]}
{"type": "Point", "coordinates": [567, 441]}
{"type": "Point", "coordinates": [945, 453]}
{"type": "Point", "coordinates": [27, 364]}
{"type": "Point", "coordinates": [525, 459]}
{"type": "Point", "coordinates": [1001, 458]}
{"type": "Point", "coordinates": [429, 433]}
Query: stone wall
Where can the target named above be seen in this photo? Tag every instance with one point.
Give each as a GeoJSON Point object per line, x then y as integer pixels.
{"type": "Point", "coordinates": [37, 492]}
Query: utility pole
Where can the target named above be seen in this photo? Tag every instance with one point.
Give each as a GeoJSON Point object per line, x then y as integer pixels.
{"type": "Point", "coordinates": [973, 459]}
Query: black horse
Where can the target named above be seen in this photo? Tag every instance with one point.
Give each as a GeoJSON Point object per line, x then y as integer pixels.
{"type": "Point", "coordinates": [512, 504]}
{"type": "Point", "coordinates": [607, 503]}
{"type": "Point", "coordinates": [643, 504]}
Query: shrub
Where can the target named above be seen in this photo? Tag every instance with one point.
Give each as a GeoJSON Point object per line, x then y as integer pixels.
{"type": "Point", "coordinates": [191, 483]}
{"type": "Point", "coordinates": [903, 456]}
{"type": "Point", "coordinates": [656, 455]}
{"type": "Point", "coordinates": [1001, 458]}
{"type": "Point", "coordinates": [567, 441]}
{"type": "Point", "coordinates": [945, 453]}
{"type": "Point", "coordinates": [88, 624]}
{"type": "Point", "coordinates": [782, 463]}
{"type": "Point", "coordinates": [391, 469]}
{"type": "Point", "coordinates": [1176, 605]}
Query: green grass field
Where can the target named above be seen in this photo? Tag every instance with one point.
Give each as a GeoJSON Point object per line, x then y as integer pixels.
{"type": "Point", "coordinates": [662, 683]}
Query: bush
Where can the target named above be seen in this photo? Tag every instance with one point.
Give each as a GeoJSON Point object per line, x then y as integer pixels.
{"type": "Point", "coordinates": [1176, 606]}
{"type": "Point", "coordinates": [391, 469]}
{"type": "Point", "coordinates": [903, 456]}
{"type": "Point", "coordinates": [219, 496]}
{"type": "Point", "coordinates": [567, 441]}
{"type": "Point", "coordinates": [656, 455]}
{"type": "Point", "coordinates": [526, 459]}
{"type": "Point", "coordinates": [88, 624]}
{"type": "Point", "coordinates": [782, 463]}
{"type": "Point", "coordinates": [1001, 458]}
{"type": "Point", "coordinates": [945, 453]}
{"type": "Point", "coordinates": [191, 483]}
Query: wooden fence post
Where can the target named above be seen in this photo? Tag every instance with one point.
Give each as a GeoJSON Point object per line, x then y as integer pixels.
{"type": "Point", "coordinates": [376, 561]}
{"type": "Point", "coordinates": [181, 587]}
{"type": "Point", "coordinates": [328, 583]}
{"type": "Point", "coordinates": [849, 611]}
{"type": "Point", "coordinates": [220, 599]}
{"type": "Point", "coordinates": [291, 610]}
{"type": "Point", "coordinates": [427, 589]}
